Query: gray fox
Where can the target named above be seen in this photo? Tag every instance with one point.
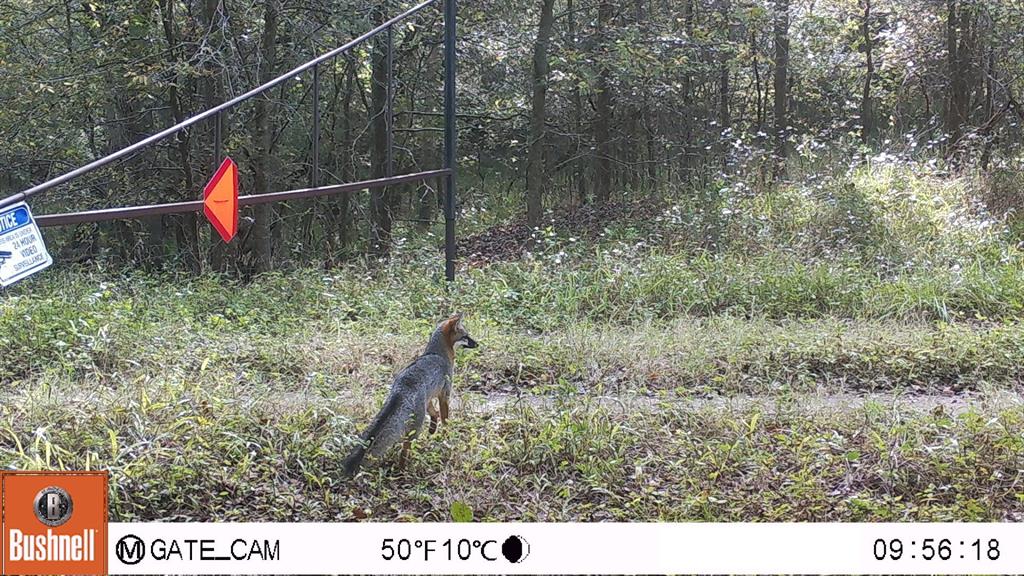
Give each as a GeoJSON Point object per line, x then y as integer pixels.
{"type": "Point", "coordinates": [429, 376]}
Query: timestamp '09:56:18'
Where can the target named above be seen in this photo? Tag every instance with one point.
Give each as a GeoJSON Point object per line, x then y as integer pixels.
{"type": "Point", "coordinates": [936, 549]}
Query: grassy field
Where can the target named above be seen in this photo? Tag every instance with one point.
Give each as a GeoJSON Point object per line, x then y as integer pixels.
{"type": "Point", "coordinates": [849, 349]}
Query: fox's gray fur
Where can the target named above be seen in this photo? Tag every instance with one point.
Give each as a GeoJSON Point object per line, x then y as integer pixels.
{"type": "Point", "coordinates": [414, 388]}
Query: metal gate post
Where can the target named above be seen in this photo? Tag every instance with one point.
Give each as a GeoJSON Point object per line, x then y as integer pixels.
{"type": "Point", "coordinates": [389, 106]}
{"type": "Point", "coordinates": [314, 173]}
{"type": "Point", "coordinates": [449, 139]}
{"type": "Point", "coordinates": [218, 140]}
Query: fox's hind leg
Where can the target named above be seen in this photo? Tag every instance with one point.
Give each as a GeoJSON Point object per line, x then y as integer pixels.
{"type": "Point", "coordinates": [442, 401]}
{"type": "Point", "coordinates": [411, 432]}
{"type": "Point", "coordinates": [433, 415]}
{"type": "Point", "coordinates": [404, 454]}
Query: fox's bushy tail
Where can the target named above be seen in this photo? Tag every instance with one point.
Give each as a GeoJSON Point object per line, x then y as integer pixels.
{"type": "Point", "coordinates": [370, 436]}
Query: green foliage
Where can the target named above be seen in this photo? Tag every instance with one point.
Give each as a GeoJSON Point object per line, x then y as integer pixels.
{"type": "Point", "coordinates": [461, 512]}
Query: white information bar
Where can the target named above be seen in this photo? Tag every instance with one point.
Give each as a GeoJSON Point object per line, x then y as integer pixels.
{"type": "Point", "coordinates": [569, 548]}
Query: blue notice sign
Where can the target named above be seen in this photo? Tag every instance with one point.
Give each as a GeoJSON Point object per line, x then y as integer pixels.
{"type": "Point", "coordinates": [22, 252]}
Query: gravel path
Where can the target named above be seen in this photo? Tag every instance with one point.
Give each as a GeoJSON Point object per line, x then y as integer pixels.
{"type": "Point", "coordinates": [808, 403]}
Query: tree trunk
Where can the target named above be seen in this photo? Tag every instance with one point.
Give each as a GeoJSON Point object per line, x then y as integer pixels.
{"type": "Point", "coordinates": [428, 199]}
{"type": "Point", "coordinates": [952, 121]}
{"type": "Point", "coordinates": [688, 101]}
{"type": "Point", "coordinates": [263, 213]}
{"type": "Point", "coordinates": [188, 222]}
{"type": "Point", "coordinates": [535, 174]}
{"type": "Point", "coordinates": [760, 96]}
{"type": "Point", "coordinates": [781, 32]}
{"type": "Point", "coordinates": [724, 90]}
{"type": "Point", "coordinates": [577, 106]}
{"type": "Point", "coordinates": [381, 199]}
{"type": "Point", "coordinates": [340, 217]}
{"type": "Point", "coordinates": [991, 117]}
{"type": "Point", "coordinates": [959, 47]}
{"type": "Point", "coordinates": [688, 28]}
{"type": "Point", "coordinates": [602, 124]}
{"type": "Point", "coordinates": [867, 121]}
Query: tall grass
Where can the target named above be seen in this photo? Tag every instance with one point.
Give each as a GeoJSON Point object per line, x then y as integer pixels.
{"type": "Point", "coordinates": [881, 242]}
{"type": "Point", "coordinates": [883, 277]}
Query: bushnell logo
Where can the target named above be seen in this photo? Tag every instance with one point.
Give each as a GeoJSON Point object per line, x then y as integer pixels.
{"type": "Point", "coordinates": [54, 522]}
{"type": "Point", "coordinates": [53, 506]}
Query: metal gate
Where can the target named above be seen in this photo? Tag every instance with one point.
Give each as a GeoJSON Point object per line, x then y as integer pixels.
{"type": "Point", "coordinates": [447, 171]}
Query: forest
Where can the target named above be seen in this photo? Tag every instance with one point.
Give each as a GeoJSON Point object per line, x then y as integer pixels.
{"type": "Point", "coordinates": [726, 260]}
{"type": "Point", "coordinates": [577, 104]}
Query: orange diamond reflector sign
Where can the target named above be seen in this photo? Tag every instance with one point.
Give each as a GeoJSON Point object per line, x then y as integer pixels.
{"type": "Point", "coordinates": [220, 200]}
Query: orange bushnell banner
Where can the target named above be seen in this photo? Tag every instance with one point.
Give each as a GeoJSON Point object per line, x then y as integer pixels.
{"type": "Point", "coordinates": [54, 522]}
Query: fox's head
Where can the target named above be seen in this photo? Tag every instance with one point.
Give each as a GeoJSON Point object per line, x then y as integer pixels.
{"type": "Point", "coordinates": [455, 334]}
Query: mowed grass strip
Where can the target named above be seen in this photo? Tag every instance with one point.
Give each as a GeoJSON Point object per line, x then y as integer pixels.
{"type": "Point", "coordinates": [686, 356]}
{"type": "Point", "coordinates": [178, 451]}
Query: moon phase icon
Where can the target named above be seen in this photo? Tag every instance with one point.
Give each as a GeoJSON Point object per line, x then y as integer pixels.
{"type": "Point", "coordinates": [515, 549]}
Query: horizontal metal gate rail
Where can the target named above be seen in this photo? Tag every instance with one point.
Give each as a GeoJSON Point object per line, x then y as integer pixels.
{"type": "Point", "coordinates": [447, 172]}
{"type": "Point", "coordinates": [250, 200]}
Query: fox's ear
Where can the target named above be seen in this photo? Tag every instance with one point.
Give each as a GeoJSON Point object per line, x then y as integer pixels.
{"type": "Point", "coordinates": [452, 321]}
